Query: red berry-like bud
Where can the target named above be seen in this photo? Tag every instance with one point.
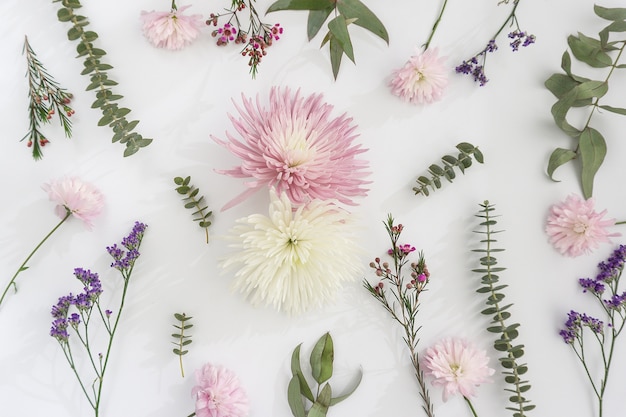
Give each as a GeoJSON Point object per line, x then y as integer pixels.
{"type": "Point", "coordinates": [30, 143]}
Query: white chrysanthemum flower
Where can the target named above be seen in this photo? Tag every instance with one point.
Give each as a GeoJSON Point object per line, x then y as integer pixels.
{"type": "Point", "coordinates": [294, 259]}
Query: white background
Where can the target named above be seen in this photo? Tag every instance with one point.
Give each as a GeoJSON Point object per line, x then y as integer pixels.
{"type": "Point", "coordinates": [183, 97]}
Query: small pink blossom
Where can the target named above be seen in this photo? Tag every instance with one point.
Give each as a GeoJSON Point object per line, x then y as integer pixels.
{"type": "Point", "coordinates": [218, 393]}
{"type": "Point", "coordinates": [458, 366]}
{"type": "Point", "coordinates": [81, 199]}
{"type": "Point", "coordinates": [575, 228]}
{"type": "Point", "coordinates": [171, 30]}
{"type": "Point", "coordinates": [422, 79]}
{"type": "Point", "coordinates": [296, 145]}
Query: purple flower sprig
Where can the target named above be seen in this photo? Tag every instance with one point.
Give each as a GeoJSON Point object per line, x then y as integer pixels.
{"type": "Point", "coordinates": [399, 295]}
{"type": "Point", "coordinates": [73, 315]}
{"type": "Point", "coordinates": [605, 289]}
{"type": "Point", "coordinates": [475, 66]}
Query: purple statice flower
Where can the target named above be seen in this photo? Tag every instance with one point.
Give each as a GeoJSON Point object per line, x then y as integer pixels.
{"type": "Point", "coordinates": [613, 266]}
{"type": "Point", "coordinates": [520, 38]}
{"type": "Point", "coordinates": [59, 314]}
{"type": "Point", "coordinates": [74, 320]}
{"type": "Point", "coordinates": [472, 66]}
{"type": "Point", "coordinates": [575, 322]}
{"type": "Point", "coordinates": [124, 260]}
{"type": "Point", "coordinates": [591, 285]}
{"type": "Point", "coordinates": [108, 313]}
{"type": "Point", "coordinates": [92, 285]}
{"type": "Point", "coordinates": [616, 302]}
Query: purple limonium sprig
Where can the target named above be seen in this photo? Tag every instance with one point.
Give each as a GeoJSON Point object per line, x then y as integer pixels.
{"type": "Point", "coordinates": [475, 66]}
{"type": "Point", "coordinates": [399, 295]}
{"type": "Point", "coordinates": [87, 307]}
{"type": "Point", "coordinates": [605, 289]}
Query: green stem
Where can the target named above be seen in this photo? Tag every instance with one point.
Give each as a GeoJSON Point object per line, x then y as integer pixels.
{"type": "Point", "coordinates": [508, 19]}
{"type": "Point", "coordinates": [174, 5]}
{"type": "Point", "coordinates": [469, 403]}
{"type": "Point", "coordinates": [434, 29]}
{"type": "Point", "coordinates": [192, 414]}
{"type": "Point", "coordinates": [622, 222]}
{"type": "Point", "coordinates": [23, 266]}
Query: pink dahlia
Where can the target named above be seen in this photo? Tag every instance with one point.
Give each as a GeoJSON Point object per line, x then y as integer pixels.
{"type": "Point", "coordinates": [422, 79]}
{"type": "Point", "coordinates": [458, 366]}
{"type": "Point", "coordinates": [574, 228]}
{"type": "Point", "coordinates": [171, 30]}
{"type": "Point", "coordinates": [218, 393]}
{"type": "Point", "coordinates": [80, 199]}
{"type": "Point", "coordinates": [298, 148]}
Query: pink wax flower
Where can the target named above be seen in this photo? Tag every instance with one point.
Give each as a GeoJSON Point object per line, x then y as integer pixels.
{"type": "Point", "coordinates": [458, 366]}
{"type": "Point", "coordinates": [80, 199]}
{"type": "Point", "coordinates": [296, 146]}
{"type": "Point", "coordinates": [422, 79]}
{"type": "Point", "coordinates": [575, 228]}
{"type": "Point", "coordinates": [218, 393]}
{"type": "Point", "coordinates": [171, 30]}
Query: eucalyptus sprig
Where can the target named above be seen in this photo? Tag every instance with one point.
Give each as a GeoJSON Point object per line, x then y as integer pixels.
{"type": "Point", "coordinates": [462, 161]}
{"type": "Point", "coordinates": [182, 339]}
{"type": "Point", "coordinates": [46, 97]}
{"type": "Point", "coordinates": [202, 214]}
{"type": "Point", "coordinates": [112, 115]}
{"type": "Point", "coordinates": [299, 390]}
{"type": "Point", "coordinates": [345, 13]}
{"type": "Point", "coordinates": [513, 370]}
{"type": "Point", "coordinates": [574, 91]}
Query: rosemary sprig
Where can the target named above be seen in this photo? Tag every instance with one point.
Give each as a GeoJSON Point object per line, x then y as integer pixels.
{"type": "Point", "coordinates": [182, 339]}
{"type": "Point", "coordinates": [46, 97]}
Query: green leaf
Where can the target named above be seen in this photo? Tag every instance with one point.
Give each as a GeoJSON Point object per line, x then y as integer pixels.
{"type": "Point", "coordinates": [559, 157]}
{"type": "Point", "coordinates": [342, 397]}
{"type": "Point", "coordinates": [300, 5]}
{"type": "Point", "coordinates": [560, 84]}
{"type": "Point", "coordinates": [74, 33]}
{"type": "Point", "coordinates": [559, 112]}
{"type": "Point", "coordinates": [617, 110]}
{"type": "Point", "coordinates": [336, 53]}
{"type": "Point", "coordinates": [589, 51]}
{"type": "Point", "coordinates": [64, 15]}
{"type": "Point", "coordinates": [316, 20]}
{"type": "Point", "coordinates": [297, 371]}
{"type": "Point", "coordinates": [322, 359]}
{"type": "Point", "coordinates": [617, 13]}
{"type": "Point", "coordinates": [320, 407]}
{"type": "Point", "coordinates": [294, 399]}
{"type": "Point", "coordinates": [338, 28]}
{"type": "Point", "coordinates": [592, 148]}
{"type": "Point", "coordinates": [590, 89]}
{"type": "Point", "coordinates": [354, 9]}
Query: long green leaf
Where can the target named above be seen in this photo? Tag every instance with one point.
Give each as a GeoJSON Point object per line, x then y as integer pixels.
{"type": "Point", "coordinates": [316, 20]}
{"type": "Point", "coordinates": [592, 148]}
{"type": "Point", "coordinates": [322, 359]}
{"type": "Point", "coordinates": [294, 399]}
{"type": "Point", "coordinates": [618, 110]}
{"type": "Point", "coordinates": [617, 13]}
{"type": "Point", "coordinates": [365, 17]}
{"type": "Point", "coordinates": [336, 53]}
{"type": "Point", "coordinates": [297, 371]}
{"type": "Point", "coordinates": [300, 5]}
{"type": "Point", "coordinates": [338, 28]}
{"type": "Point", "coordinates": [559, 157]}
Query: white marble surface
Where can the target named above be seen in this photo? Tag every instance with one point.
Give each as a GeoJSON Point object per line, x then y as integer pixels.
{"type": "Point", "coordinates": [183, 97]}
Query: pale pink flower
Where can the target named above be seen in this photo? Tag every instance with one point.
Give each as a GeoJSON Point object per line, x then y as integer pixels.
{"type": "Point", "coordinates": [458, 366]}
{"type": "Point", "coordinates": [422, 79]}
{"type": "Point", "coordinates": [171, 30]}
{"type": "Point", "coordinates": [72, 195]}
{"type": "Point", "coordinates": [575, 228]}
{"type": "Point", "coordinates": [218, 393]}
{"type": "Point", "coordinates": [296, 146]}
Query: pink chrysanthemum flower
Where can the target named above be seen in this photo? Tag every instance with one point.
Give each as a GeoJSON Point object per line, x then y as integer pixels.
{"type": "Point", "coordinates": [458, 366]}
{"type": "Point", "coordinates": [81, 199]}
{"type": "Point", "coordinates": [218, 393]}
{"type": "Point", "coordinates": [171, 30]}
{"type": "Point", "coordinates": [575, 228]}
{"type": "Point", "coordinates": [422, 79]}
{"type": "Point", "coordinates": [295, 146]}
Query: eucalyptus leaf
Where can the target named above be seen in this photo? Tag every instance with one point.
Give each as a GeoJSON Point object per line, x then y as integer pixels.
{"type": "Point", "coordinates": [336, 53]}
{"type": "Point", "coordinates": [297, 371]}
{"type": "Point", "coordinates": [365, 17]}
{"type": "Point", "coordinates": [559, 157]}
{"type": "Point", "coordinates": [316, 20]}
{"type": "Point", "coordinates": [592, 149]}
{"type": "Point", "coordinates": [293, 397]}
{"type": "Point", "coordinates": [322, 359]}
{"type": "Point", "coordinates": [339, 30]}
{"type": "Point", "coordinates": [348, 393]}
{"type": "Point", "coordinates": [300, 5]}
{"type": "Point", "coordinates": [617, 110]}
{"type": "Point", "coordinates": [617, 13]}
